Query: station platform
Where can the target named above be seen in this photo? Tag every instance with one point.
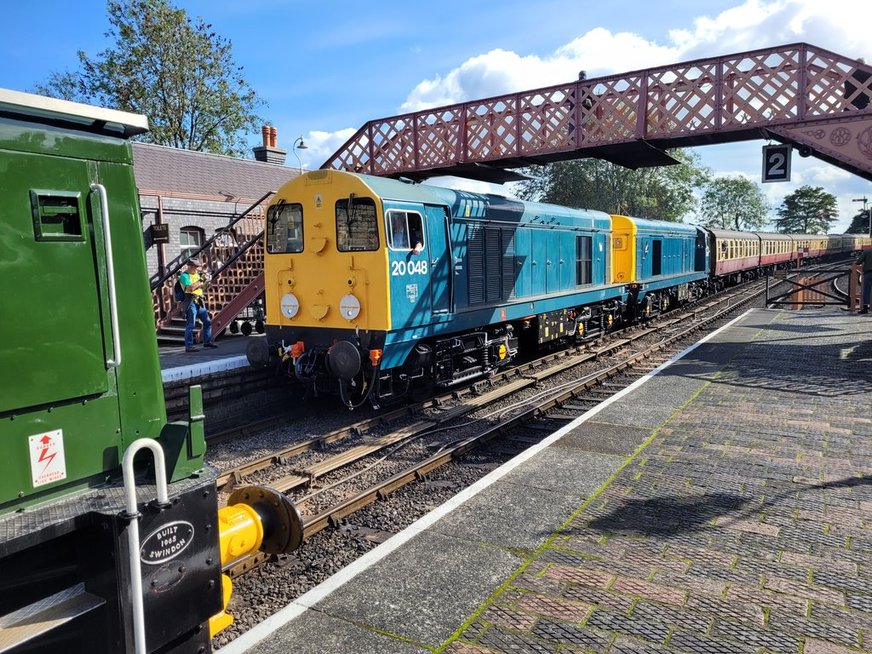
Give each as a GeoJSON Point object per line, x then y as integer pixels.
{"type": "Point", "coordinates": [178, 365]}
{"type": "Point", "coordinates": [722, 503]}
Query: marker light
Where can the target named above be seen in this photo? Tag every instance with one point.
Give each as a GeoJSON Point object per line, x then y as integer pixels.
{"type": "Point", "coordinates": [349, 307]}
{"type": "Point", "coordinates": [290, 305]}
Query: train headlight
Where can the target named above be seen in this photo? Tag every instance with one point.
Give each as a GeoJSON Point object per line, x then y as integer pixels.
{"type": "Point", "coordinates": [349, 307]}
{"type": "Point", "coordinates": [290, 305]}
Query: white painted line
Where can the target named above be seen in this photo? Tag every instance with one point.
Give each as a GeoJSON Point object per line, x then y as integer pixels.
{"type": "Point", "coordinates": [308, 600]}
{"type": "Point", "coordinates": [195, 370]}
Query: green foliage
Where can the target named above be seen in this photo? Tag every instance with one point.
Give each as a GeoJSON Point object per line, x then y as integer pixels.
{"type": "Point", "coordinates": [733, 203]}
{"type": "Point", "coordinates": [175, 70]}
{"type": "Point", "coordinates": [860, 223]}
{"type": "Point", "coordinates": [664, 193]}
{"type": "Point", "coordinates": [808, 210]}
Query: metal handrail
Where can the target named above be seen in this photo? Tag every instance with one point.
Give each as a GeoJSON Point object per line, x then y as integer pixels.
{"type": "Point", "coordinates": [115, 361]}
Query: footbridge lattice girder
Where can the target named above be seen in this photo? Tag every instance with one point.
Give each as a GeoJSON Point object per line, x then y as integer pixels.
{"type": "Point", "coordinates": [796, 93]}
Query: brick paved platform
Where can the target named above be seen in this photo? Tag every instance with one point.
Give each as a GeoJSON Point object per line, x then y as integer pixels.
{"type": "Point", "coordinates": [723, 505]}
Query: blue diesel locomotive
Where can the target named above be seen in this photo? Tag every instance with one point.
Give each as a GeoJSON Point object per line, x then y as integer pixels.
{"type": "Point", "coordinates": [377, 288]}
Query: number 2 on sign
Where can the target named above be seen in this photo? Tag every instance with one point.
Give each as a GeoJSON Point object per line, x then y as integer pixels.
{"type": "Point", "coordinates": [776, 164]}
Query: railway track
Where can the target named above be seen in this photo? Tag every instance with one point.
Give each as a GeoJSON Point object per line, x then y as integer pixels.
{"type": "Point", "coordinates": [525, 421]}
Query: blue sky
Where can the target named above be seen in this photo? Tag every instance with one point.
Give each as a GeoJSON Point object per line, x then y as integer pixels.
{"type": "Point", "coordinates": [326, 68]}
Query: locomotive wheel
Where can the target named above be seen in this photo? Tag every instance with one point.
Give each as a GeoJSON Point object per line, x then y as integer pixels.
{"type": "Point", "coordinates": [246, 329]}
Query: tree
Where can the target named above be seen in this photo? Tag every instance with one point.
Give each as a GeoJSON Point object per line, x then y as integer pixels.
{"type": "Point", "coordinates": [664, 193]}
{"type": "Point", "coordinates": [807, 210]}
{"type": "Point", "coordinates": [176, 71]}
{"type": "Point", "coordinates": [733, 203]}
{"type": "Point", "coordinates": [860, 223]}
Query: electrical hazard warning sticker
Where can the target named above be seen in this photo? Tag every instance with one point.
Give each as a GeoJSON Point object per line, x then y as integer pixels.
{"type": "Point", "coordinates": [47, 462]}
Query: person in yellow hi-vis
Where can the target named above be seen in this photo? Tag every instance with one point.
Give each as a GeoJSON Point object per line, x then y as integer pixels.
{"type": "Point", "coordinates": [865, 258]}
{"type": "Point", "coordinates": [195, 306]}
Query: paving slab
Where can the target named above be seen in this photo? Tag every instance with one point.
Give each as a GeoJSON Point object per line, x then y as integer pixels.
{"type": "Point", "coordinates": [315, 632]}
{"type": "Point", "coordinates": [421, 592]}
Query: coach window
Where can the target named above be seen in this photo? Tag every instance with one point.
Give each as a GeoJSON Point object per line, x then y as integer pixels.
{"type": "Point", "coordinates": [356, 225]}
{"type": "Point", "coordinates": [405, 230]}
{"type": "Point", "coordinates": [284, 233]}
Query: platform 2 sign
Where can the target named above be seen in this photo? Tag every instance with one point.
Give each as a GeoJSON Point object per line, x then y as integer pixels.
{"type": "Point", "coordinates": [776, 163]}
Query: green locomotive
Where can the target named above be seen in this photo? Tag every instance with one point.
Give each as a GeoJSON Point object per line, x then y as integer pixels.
{"type": "Point", "coordinates": [98, 552]}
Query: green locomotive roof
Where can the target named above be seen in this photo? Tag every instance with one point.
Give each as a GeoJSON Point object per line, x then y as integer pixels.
{"type": "Point", "coordinates": [73, 115]}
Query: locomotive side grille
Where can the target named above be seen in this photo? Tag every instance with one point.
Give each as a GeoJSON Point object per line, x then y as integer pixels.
{"type": "Point", "coordinates": [493, 257]}
{"type": "Point", "coordinates": [491, 252]}
{"type": "Point", "coordinates": [508, 276]}
{"type": "Point", "coordinates": [475, 245]}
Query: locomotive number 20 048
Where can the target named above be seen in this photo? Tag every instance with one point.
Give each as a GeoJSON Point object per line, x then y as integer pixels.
{"type": "Point", "coordinates": [399, 268]}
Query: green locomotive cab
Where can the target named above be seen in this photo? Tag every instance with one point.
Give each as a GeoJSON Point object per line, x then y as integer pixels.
{"type": "Point", "coordinates": [96, 554]}
{"type": "Point", "coordinates": [81, 374]}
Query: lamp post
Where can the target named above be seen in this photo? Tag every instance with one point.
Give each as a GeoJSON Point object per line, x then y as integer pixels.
{"type": "Point", "coordinates": [300, 144]}
{"type": "Point", "coordinates": [866, 211]}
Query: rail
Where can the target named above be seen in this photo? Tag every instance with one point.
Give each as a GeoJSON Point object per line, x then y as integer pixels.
{"type": "Point", "coordinates": [332, 515]}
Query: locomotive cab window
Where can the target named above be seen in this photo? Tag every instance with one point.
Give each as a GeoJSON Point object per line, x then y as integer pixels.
{"type": "Point", "coordinates": [56, 216]}
{"type": "Point", "coordinates": [356, 225]}
{"type": "Point", "coordinates": [284, 232]}
{"type": "Point", "coordinates": [405, 230]}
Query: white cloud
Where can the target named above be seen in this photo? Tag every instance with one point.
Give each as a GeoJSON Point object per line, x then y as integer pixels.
{"type": "Point", "coordinates": [748, 26]}
{"type": "Point", "coordinates": [319, 146]}
{"type": "Point", "coordinates": [501, 71]}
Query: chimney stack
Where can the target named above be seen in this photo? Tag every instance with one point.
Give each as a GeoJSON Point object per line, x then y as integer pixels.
{"type": "Point", "coordinates": [269, 152]}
